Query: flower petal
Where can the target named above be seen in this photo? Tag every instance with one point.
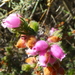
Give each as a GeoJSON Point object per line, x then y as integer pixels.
{"type": "Point", "coordinates": [57, 52]}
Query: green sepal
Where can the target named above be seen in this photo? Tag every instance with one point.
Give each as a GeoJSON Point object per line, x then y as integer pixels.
{"type": "Point", "coordinates": [26, 29]}
{"type": "Point", "coordinates": [24, 24]}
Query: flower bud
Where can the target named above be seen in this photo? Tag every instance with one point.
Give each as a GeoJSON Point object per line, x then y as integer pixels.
{"type": "Point", "coordinates": [51, 32]}
{"type": "Point", "coordinates": [30, 42]}
{"type": "Point", "coordinates": [49, 71]}
{"type": "Point", "coordinates": [40, 45]}
{"type": "Point", "coordinates": [21, 43]}
{"type": "Point", "coordinates": [30, 60]}
{"type": "Point", "coordinates": [53, 39]}
{"type": "Point", "coordinates": [12, 21]}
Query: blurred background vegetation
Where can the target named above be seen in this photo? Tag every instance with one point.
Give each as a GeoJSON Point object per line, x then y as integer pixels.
{"type": "Point", "coordinates": [49, 13]}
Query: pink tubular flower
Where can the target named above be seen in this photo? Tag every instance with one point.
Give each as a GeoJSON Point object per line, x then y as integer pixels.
{"type": "Point", "coordinates": [43, 60]}
{"type": "Point", "coordinates": [45, 57]}
{"type": "Point", "coordinates": [40, 46]}
{"type": "Point", "coordinates": [51, 32]}
{"type": "Point", "coordinates": [57, 52]}
{"type": "Point", "coordinates": [31, 52]}
{"type": "Point", "coordinates": [12, 21]}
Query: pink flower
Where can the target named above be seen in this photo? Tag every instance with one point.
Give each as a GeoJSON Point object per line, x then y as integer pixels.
{"type": "Point", "coordinates": [57, 52]}
{"type": "Point", "coordinates": [31, 52]}
{"type": "Point", "coordinates": [12, 21]}
{"type": "Point", "coordinates": [43, 59]}
{"type": "Point", "coordinates": [52, 60]}
{"type": "Point", "coordinates": [51, 32]}
{"type": "Point", "coordinates": [40, 46]}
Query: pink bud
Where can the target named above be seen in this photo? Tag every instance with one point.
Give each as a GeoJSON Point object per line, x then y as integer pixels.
{"type": "Point", "coordinates": [57, 52]}
{"type": "Point", "coordinates": [51, 32]}
{"type": "Point", "coordinates": [40, 45]}
{"type": "Point", "coordinates": [12, 21]}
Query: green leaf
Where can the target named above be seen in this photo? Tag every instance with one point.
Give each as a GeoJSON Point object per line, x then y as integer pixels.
{"type": "Point", "coordinates": [24, 23]}
{"type": "Point", "coordinates": [34, 25]}
{"type": "Point", "coordinates": [1, 73]}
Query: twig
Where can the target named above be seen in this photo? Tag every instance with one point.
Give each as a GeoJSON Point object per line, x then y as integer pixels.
{"type": "Point", "coordinates": [2, 4]}
{"type": "Point", "coordinates": [49, 5]}
{"type": "Point", "coordinates": [54, 19]}
{"type": "Point", "coordinates": [10, 12]}
{"type": "Point", "coordinates": [60, 12]}
{"type": "Point", "coordinates": [70, 43]}
{"type": "Point", "coordinates": [58, 9]}
{"type": "Point", "coordinates": [67, 5]}
{"type": "Point", "coordinates": [46, 16]}
{"type": "Point", "coordinates": [34, 9]}
{"type": "Point", "coordinates": [66, 15]}
{"type": "Point", "coordinates": [43, 15]}
{"type": "Point", "coordinates": [69, 18]}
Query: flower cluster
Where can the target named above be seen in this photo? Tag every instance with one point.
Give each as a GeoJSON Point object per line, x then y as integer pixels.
{"type": "Point", "coordinates": [47, 52]}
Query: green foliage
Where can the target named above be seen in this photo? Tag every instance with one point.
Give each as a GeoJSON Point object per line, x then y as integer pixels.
{"type": "Point", "coordinates": [26, 67]}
